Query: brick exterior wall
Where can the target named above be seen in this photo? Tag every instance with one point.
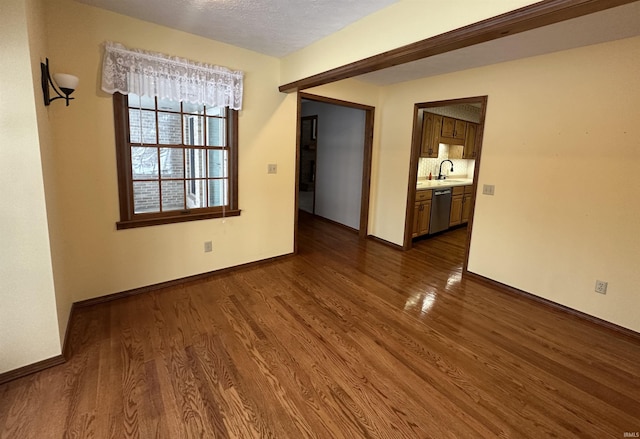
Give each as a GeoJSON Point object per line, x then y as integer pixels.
{"type": "Point", "coordinates": [146, 195]}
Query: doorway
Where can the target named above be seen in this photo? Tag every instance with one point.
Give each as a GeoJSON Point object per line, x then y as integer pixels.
{"type": "Point", "coordinates": [307, 163]}
{"type": "Point", "coordinates": [334, 160]}
{"type": "Point", "coordinates": [470, 111]}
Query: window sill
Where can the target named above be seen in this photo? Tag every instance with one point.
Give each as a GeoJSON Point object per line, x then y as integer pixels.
{"type": "Point", "coordinates": [145, 222]}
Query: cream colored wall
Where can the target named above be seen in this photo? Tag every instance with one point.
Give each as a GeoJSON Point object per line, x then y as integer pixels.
{"type": "Point", "coordinates": [562, 147]}
{"type": "Point", "coordinates": [402, 23]}
{"type": "Point", "coordinates": [95, 259]}
{"type": "Point", "coordinates": [28, 324]}
{"type": "Point", "coordinates": [38, 53]}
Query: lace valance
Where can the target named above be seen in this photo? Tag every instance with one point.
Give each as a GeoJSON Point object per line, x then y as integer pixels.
{"type": "Point", "coordinates": [163, 76]}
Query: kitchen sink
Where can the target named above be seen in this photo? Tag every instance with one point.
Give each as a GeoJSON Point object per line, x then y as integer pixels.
{"type": "Point", "coordinates": [436, 183]}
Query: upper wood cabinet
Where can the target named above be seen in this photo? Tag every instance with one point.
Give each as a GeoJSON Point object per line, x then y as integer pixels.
{"type": "Point", "coordinates": [470, 142]}
{"type": "Point", "coordinates": [453, 129]}
{"type": "Point", "coordinates": [431, 125]}
{"type": "Point", "coordinates": [438, 129]}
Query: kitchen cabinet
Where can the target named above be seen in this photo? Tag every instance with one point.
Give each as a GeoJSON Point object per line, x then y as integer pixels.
{"type": "Point", "coordinates": [470, 141]}
{"type": "Point", "coordinates": [466, 204]}
{"type": "Point", "coordinates": [431, 124]}
{"type": "Point", "coordinates": [453, 130]}
{"type": "Point", "coordinates": [457, 196]}
{"type": "Point", "coordinates": [421, 213]}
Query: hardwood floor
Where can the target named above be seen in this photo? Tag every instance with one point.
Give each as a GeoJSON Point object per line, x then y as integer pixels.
{"type": "Point", "coordinates": [348, 339]}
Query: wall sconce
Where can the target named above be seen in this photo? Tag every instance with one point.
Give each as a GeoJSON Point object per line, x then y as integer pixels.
{"type": "Point", "coordinates": [67, 84]}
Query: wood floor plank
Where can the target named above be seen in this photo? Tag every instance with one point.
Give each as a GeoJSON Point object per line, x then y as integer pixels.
{"type": "Point", "coordinates": [348, 339]}
{"type": "Point", "coordinates": [381, 375]}
{"type": "Point", "coordinates": [390, 324]}
{"type": "Point", "coordinates": [245, 416]}
{"type": "Point", "coordinates": [245, 331]}
{"type": "Point", "coordinates": [172, 411]}
{"type": "Point", "coordinates": [17, 410]}
{"type": "Point", "coordinates": [425, 374]}
{"type": "Point", "coordinates": [366, 343]}
{"type": "Point", "coordinates": [347, 379]}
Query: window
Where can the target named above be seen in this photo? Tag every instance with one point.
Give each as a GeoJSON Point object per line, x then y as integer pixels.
{"type": "Point", "coordinates": [176, 161]}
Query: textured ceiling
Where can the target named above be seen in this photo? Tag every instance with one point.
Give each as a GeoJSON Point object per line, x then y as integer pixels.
{"type": "Point", "coordinates": [271, 27]}
{"type": "Point", "coordinates": [280, 27]}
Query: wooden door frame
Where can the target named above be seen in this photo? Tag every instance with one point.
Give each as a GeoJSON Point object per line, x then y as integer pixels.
{"type": "Point", "coordinates": [366, 160]}
{"type": "Point", "coordinates": [416, 139]}
{"type": "Point", "coordinates": [314, 117]}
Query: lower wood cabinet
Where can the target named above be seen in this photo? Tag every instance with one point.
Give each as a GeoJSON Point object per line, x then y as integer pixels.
{"type": "Point", "coordinates": [461, 200]}
{"type": "Point", "coordinates": [457, 195]}
{"type": "Point", "coordinates": [466, 204]}
{"type": "Point", "coordinates": [421, 213]}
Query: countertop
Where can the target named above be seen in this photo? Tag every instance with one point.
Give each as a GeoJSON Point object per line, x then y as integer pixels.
{"type": "Point", "coordinates": [449, 182]}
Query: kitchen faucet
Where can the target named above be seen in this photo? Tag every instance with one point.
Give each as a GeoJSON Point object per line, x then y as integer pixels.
{"type": "Point", "coordinates": [440, 175]}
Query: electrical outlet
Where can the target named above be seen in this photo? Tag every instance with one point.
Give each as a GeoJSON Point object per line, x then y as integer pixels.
{"type": "Point", "coordinates": [601, 287]}
{"type": "Point", "coordinates": [488, 189]}
{"type": "Point", "coordinates": [208, 246]}
{"type": "Point", "coordinates": [272, 168]}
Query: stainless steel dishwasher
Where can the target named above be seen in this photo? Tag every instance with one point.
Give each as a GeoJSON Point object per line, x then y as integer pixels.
{"type": "Point", "coordinates": [440, 210]}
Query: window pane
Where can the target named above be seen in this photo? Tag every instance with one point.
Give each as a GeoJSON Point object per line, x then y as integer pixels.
{"type": "Point", "coordinates": [216, 132]}
{"type": "Point", "coordinates": [168, 105]}
{"type": "Point", "coordinates": [144, 162]}
{"type": "Point", "coordinates": [180, 159]}
{"type": "Point", "coordinates": [218, 163]}
{"type": "Point", "coordinates": [193, 130]}
{"type": "Point", "coordinates": [171, 163]}
{"type": "Point", "coordinates": [169, 129]}
{"type": "Point", "coordinates": [188, 107]}
{"type": "Point", "coordinates": [146, 196]}
{"type": "Point", "coordinates": [196, 163]}
{"type": "Point", "coordinates": [146, 102]}
{"type": "Point", "coordinates": [133, 100]}
{"type": "Point", "coordinates": [216, 111]}
{"type": "Point", "coordinates": [172, 195]}
{"type": "Point", "coordinates": [218, 192]}
{"type": "Point", "coordinates": [142, 122]}
{"type": "Point", "coordinates": [196, 193]}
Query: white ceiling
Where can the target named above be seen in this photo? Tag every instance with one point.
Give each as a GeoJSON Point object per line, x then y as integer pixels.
{"type": "Point", "coordinates": [280, 27]}
{"type": "Point", "coordinates": [608, 25]}
{"type": "Point", "coordinates": [271, 27]}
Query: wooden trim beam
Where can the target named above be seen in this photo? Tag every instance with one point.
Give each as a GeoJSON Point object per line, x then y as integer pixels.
{"type": "Point", "coordinates": [520, 20]}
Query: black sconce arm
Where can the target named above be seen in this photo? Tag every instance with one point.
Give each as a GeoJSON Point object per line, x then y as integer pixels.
{"type": "Point", "coordinates": [63, 93]}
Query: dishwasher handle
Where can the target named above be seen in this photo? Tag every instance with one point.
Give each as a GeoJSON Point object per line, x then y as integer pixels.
{"type": "Point", "coordinates": [442, 192]}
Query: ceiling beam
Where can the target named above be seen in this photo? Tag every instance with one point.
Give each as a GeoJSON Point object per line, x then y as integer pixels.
{"type": "Point", "coordinates": [520, 20]}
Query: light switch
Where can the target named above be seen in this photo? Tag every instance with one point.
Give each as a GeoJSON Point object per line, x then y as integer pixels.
{"type": "Point", "coordinates": [488, 189]}
{"type": "Point", "coordinates": [272, 168]}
